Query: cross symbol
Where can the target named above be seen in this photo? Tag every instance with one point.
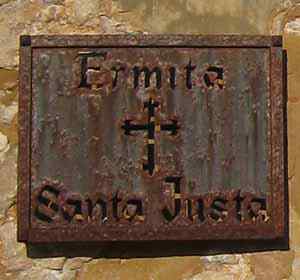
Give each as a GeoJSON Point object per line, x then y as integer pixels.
{"type": "Point", "coordinates": [151, 127]}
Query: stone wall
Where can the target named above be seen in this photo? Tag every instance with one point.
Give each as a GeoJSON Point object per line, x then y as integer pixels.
{"type": "Point", "coordinates": [150, 16]}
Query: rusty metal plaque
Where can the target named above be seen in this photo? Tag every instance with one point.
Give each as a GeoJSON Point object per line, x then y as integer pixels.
{"type": "Point", "coordinates": [147, 138]}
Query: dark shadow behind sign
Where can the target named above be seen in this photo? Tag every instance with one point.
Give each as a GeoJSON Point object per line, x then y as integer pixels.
{"type": "Point", "coordinates": [152, 145]}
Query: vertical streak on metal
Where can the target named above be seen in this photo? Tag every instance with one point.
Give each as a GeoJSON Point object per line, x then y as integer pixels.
{"type": "Point", "coordinates": [285, 147]}
{"type": "Point", "coordinates": [277, 114]}
{"type": "Point", "coordinates": [23, 196]}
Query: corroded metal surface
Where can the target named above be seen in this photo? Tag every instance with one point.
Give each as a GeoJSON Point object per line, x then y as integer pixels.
{"type": "Point", "coordinates": [152, 138]}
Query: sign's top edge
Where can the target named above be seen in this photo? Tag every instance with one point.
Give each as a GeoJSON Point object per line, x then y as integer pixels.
{"type": "Point", "coordinates": [145, 40]}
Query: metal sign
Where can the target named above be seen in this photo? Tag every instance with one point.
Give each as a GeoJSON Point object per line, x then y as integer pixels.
{"type": "Point", "coordinates": [126, 138]}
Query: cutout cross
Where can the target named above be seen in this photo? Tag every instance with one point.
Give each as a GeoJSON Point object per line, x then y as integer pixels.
{"type": "Point", "coordinates": [151, 127]}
